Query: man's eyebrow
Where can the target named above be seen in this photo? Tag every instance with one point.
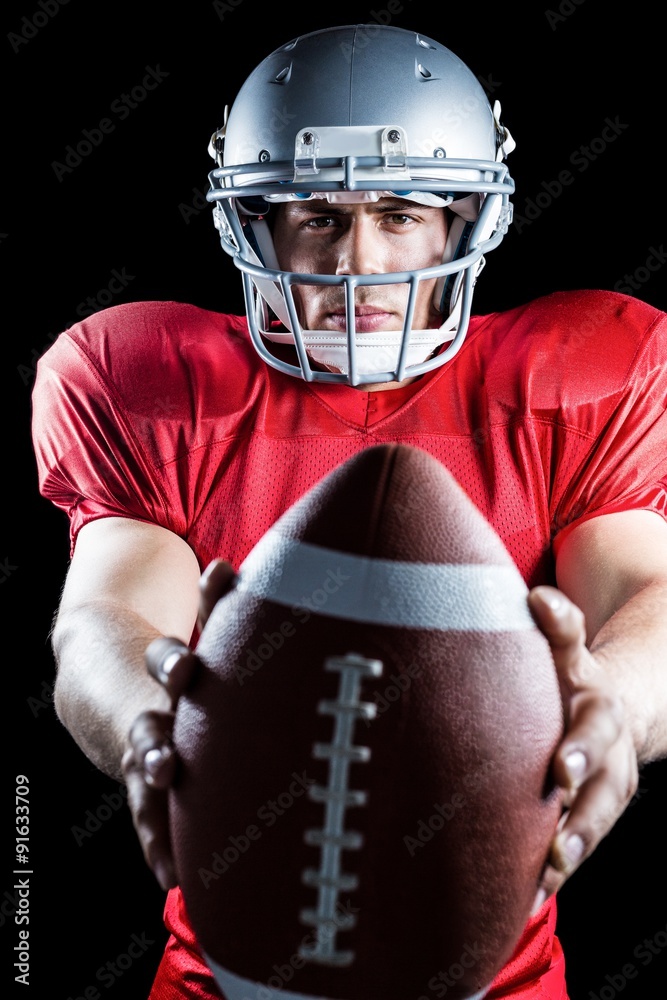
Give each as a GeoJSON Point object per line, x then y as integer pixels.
{"type": "Point", "coordinates": [310, 207]}
{"type": "Point", "coordinates": [320, 207]}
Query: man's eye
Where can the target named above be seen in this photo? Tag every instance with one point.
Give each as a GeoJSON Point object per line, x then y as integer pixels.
{"type": "Point", "coordinates": [320, 221]}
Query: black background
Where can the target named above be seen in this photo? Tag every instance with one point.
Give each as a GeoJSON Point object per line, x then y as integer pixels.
{"type": "Point", "coordinates": [134, 206]}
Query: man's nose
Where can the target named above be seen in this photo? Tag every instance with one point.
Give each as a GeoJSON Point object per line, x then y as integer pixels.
{"type": "Point", "coordinates": [359, 250]}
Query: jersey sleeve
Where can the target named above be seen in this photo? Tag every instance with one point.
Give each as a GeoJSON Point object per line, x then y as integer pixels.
{"type": "Point", "coordinates": [624, 466]}
{"type": "Point", "coordinates": [135, 410]}
{"type": "Point", "coordinates": [90, 459]}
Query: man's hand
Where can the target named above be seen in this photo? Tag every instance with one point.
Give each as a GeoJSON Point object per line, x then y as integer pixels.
{"type": "Point", "coordinates": [149, 764]}
{"type": "Point", "coordinates": [596, 762]}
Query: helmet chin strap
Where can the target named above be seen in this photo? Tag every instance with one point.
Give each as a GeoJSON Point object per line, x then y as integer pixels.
{"type": "Point", "coordinates": [374, 352]}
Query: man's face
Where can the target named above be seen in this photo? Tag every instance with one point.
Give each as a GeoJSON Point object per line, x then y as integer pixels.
{"type": "Point", "coordinates": [390, 234]}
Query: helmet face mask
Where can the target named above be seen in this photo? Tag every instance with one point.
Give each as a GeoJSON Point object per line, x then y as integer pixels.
{"type": "Point", "coordinates": [352, 114]}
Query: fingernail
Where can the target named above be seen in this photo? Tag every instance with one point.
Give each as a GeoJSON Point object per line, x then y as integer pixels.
{"type": "Point", "coordinates": [153, 761]}
{"type": "Point", "coordinates": [553, 601]}
{"type": "Point", "coordinates": [573, 849]}
{"type": "Point", "coordinates": [169, 662]}
{"type": "Point", "coordinates": [567, 853]}
{"type": "Point", "coordinates": [540, 900]}
{"type": "Point", "coordinates": [575, 764]}
{"type": "Point", "coordinates": [207, 572]}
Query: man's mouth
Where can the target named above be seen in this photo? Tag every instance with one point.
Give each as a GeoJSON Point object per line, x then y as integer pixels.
{"type": "Point", "coordinates": [367, 319]}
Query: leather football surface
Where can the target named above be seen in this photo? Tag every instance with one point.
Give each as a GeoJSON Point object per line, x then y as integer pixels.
{"type": "Point", "coordinates": [364, 803]}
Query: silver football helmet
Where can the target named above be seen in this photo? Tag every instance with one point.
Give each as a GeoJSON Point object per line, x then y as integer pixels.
{"type": "Point", "coordinates": [353, 113]}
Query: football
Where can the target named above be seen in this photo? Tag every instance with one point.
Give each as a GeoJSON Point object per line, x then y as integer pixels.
{"type": "Point", "coordinates": [364, 802]}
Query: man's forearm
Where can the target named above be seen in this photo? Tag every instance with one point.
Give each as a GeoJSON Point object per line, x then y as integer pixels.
{"type": "Point", "coordinates": [632, 648]}
{"type": "Point", "coordinates": [101, 681]}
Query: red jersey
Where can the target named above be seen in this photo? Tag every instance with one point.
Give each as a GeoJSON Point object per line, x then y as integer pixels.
{"type": "Point", "coordinates": [551, 413]}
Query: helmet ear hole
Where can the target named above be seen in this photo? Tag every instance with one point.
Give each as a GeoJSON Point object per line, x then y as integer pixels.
{"type": "Point", "coordinates": [252, 205]}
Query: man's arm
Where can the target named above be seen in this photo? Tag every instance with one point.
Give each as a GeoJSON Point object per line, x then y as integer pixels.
{"type": "Point", "coordinates": [608, 631]}
{"type": "Point", "coordinates": [614, 568]}
{"type": "Point", "coordinates": [129, 582]}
